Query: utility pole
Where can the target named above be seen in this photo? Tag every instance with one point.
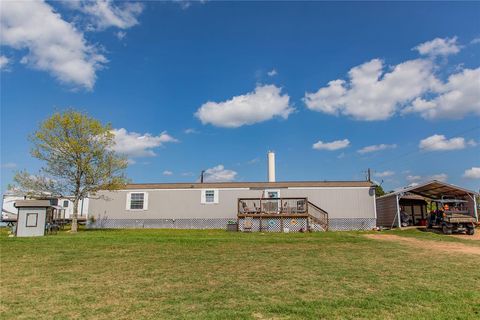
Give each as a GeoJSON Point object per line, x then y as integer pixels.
{"type": "Point", "coordinates": [369, 175]}
{"type": "Point", "coordinates": [201, 176]}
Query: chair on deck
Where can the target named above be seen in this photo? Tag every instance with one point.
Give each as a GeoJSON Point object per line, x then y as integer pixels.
{"type": "Point", "coordinates": [286, 208]}
{"type": "Point", "coordinates": [246, 210]}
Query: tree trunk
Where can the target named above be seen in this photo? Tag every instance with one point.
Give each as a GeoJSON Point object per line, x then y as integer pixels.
{"type": "Point", "coordinates": [74, 227]}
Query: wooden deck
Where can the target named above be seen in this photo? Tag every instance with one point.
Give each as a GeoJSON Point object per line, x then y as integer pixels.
{"type": "Point", "coordinates": [280, 208]}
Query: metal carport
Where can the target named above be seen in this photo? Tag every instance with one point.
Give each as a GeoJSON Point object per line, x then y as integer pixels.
{"type": "Point", "coordinates": [388, 206]}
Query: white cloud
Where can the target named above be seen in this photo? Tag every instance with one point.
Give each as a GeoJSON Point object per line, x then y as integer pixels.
{"type": "Point", "coordinates": [4, 61]}
{"type": "Point", "coordinates": [272, 73]}
{"type": "Point", "coordinates": [412, 178]}
{"type": "Point", "coordinates": [439, 47]}
{"type": "Point", "coordinates": [376, 147]}
{"type": "Point", "coordinates": [416, 179]}
{"type": "Point", "coordinates": [375, 92]}
{"type": "Point", "coordinates": [219, 174]}
{"type": "Point", "coordinates": [8, 165]}
{"type": "Point", "coordinates": [134, 144]}
{"type": "Point", "coordinates": [472, 173]}
{"type": "Point", "coordinates": [53, 44]}
{"type": "Point", "coordinates": [103, 14]}
{"type": "Point", "coordinates": [265, 103]}
{"type": "Point", "coordinates": [438, 142]}
{"type": "Point", "coordinates": [167, 173]}
{"type": "Point", "coordinates": [331, 146]}
{"type": "Point", "coordinates": [475, 41]}
{"type": "Point", "coordinates": [384, 174]}
{"type": "Point", "coordinates": [459, 96]}
{"type": "Point", "coordinates": [440, 177]}
{"type": "Point", "coordinates": [120, 35]}
{"type": "Point", "coordinates": [472, 143]}
{"type": "Point", "coordinates": [185, 4]}
{"type": "Point", "coordinates": [190, 131]}
{"type": "Point", "coordinates": [372, 93]}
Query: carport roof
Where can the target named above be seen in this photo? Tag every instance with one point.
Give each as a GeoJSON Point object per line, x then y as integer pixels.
{"type": "Point", "coordinates": [434, 190]}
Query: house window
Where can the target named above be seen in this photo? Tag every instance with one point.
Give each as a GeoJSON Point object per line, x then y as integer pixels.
{"type": "Point", "coordinates": [31, 220]}
{"type": "Point", "coordinates": [137, 201]}
{"type": "Point", "coordinates": [65, 203]}
{"type": "Point", "coordinates": [209, 196]}
{"type": "Point", "coordinates": [271, 193]}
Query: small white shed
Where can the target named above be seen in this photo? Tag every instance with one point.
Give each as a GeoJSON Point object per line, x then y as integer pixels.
{"type": "Point", "coordinates": [32, 217]}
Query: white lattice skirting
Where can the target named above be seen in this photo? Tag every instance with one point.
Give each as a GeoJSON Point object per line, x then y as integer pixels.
{"type": "Point", "coordinates": [268, 225]}
{"type": "Point", "coordinates": [343, 224]}
{"type": "Point", "coordinates": [214, 223]}
{"type": "Point", "coordinates": [272, 224]}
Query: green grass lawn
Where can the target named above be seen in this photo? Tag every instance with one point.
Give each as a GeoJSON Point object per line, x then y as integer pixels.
{"type": "Point", "coordinates": [174, 274]}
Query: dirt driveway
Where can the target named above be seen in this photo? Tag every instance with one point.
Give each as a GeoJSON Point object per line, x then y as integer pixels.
{"type": "Point", "coordinates": [476, 236]}
{"type": "Point", "coordinates": [451, 247]}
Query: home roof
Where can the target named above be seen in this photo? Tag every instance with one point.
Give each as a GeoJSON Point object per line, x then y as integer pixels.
{"type": "Point", "coordinates": [434, 190]}
{"type": "Point", "coordinates": [219, 185]}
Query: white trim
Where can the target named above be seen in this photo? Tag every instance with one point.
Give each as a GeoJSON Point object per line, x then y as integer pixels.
{"type": "Point", "coordinates": [203, 197]}
{"type": "Point", "coordinates": [399, 222]}
{"type": "Point", "coordinates": [183, 189]}
{"type": "Point", "coordinates": [266, 191]}
{"type": "Point", "coordinates": [129, 200]}
{"type": "Point", "coordinates": [332, 188]}
{"type": "Point", "coordinates": [475, 210]}
{"type": "Point", "coordinates": [246, 188]}
{"type": "Point", "coordinates": [408, 189]}
{"type": "Point", "coordinates": [375, 202]}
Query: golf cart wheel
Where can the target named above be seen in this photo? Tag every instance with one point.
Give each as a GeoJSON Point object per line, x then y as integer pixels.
{"type": "Point", "coordinates": [446, 230]}
{"type": "Point", "coordinates": [470, 231]}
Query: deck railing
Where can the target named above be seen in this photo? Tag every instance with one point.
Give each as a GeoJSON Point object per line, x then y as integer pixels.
{"type": "Point", "coordinates": [318, 215]}
{"type": "Point", "coordinates": [273, 206]}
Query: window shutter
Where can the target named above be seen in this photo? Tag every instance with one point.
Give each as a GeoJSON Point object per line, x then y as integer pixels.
{"type": "Point", "coordinates": [202, 196]}
{"type": "Point", "coordinates": [215, 196]}
{"type": "Point", "coordinates": [145, 201]}
{"type": "Point", "coordinates": [129, 197]}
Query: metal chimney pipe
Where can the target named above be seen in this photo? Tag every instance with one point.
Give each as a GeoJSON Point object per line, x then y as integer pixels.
{"type": "Point", "coordinates": [271, 166]}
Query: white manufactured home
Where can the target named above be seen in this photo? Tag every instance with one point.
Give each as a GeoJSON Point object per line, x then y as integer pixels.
{"type": "Point", "coordinates": [266, 206]}
{"type": "Point", "coordinates": [248, 206]}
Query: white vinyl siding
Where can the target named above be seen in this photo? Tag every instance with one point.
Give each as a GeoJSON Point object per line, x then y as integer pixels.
{"type": "Point", "coordinates": [209, 196]}
{"type": "Point", "coordinates": [137, 201]}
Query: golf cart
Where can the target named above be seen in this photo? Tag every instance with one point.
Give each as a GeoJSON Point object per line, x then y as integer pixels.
{"type": "Point", "coordinates": [451, 215]}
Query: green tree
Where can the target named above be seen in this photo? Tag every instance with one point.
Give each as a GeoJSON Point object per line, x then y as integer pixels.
{"type": "Point", "coordinates": [79, 159]}
{"type": "Point", "coordinates": [379, 191]}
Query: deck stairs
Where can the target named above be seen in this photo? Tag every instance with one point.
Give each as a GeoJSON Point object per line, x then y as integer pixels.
{"type": "Point", "coordinates": [317, 216]}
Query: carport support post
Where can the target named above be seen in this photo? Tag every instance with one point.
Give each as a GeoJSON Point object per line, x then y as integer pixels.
{"type": "Point", "coordinates": [398, 212]}
{"type": "Point", "coordinates": [475, 211]}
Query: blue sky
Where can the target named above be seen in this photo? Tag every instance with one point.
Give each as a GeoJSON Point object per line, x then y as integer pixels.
{"type": "Point", "coordinates": [215, 85]}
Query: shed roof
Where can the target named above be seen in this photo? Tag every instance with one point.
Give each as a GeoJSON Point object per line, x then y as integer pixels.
{"type": "Point", "coordinates": [219, 185]}
{"type": "Point", "coordinates": [32, 203]}
{"type": "Point", "coordinates": [434, 190]}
